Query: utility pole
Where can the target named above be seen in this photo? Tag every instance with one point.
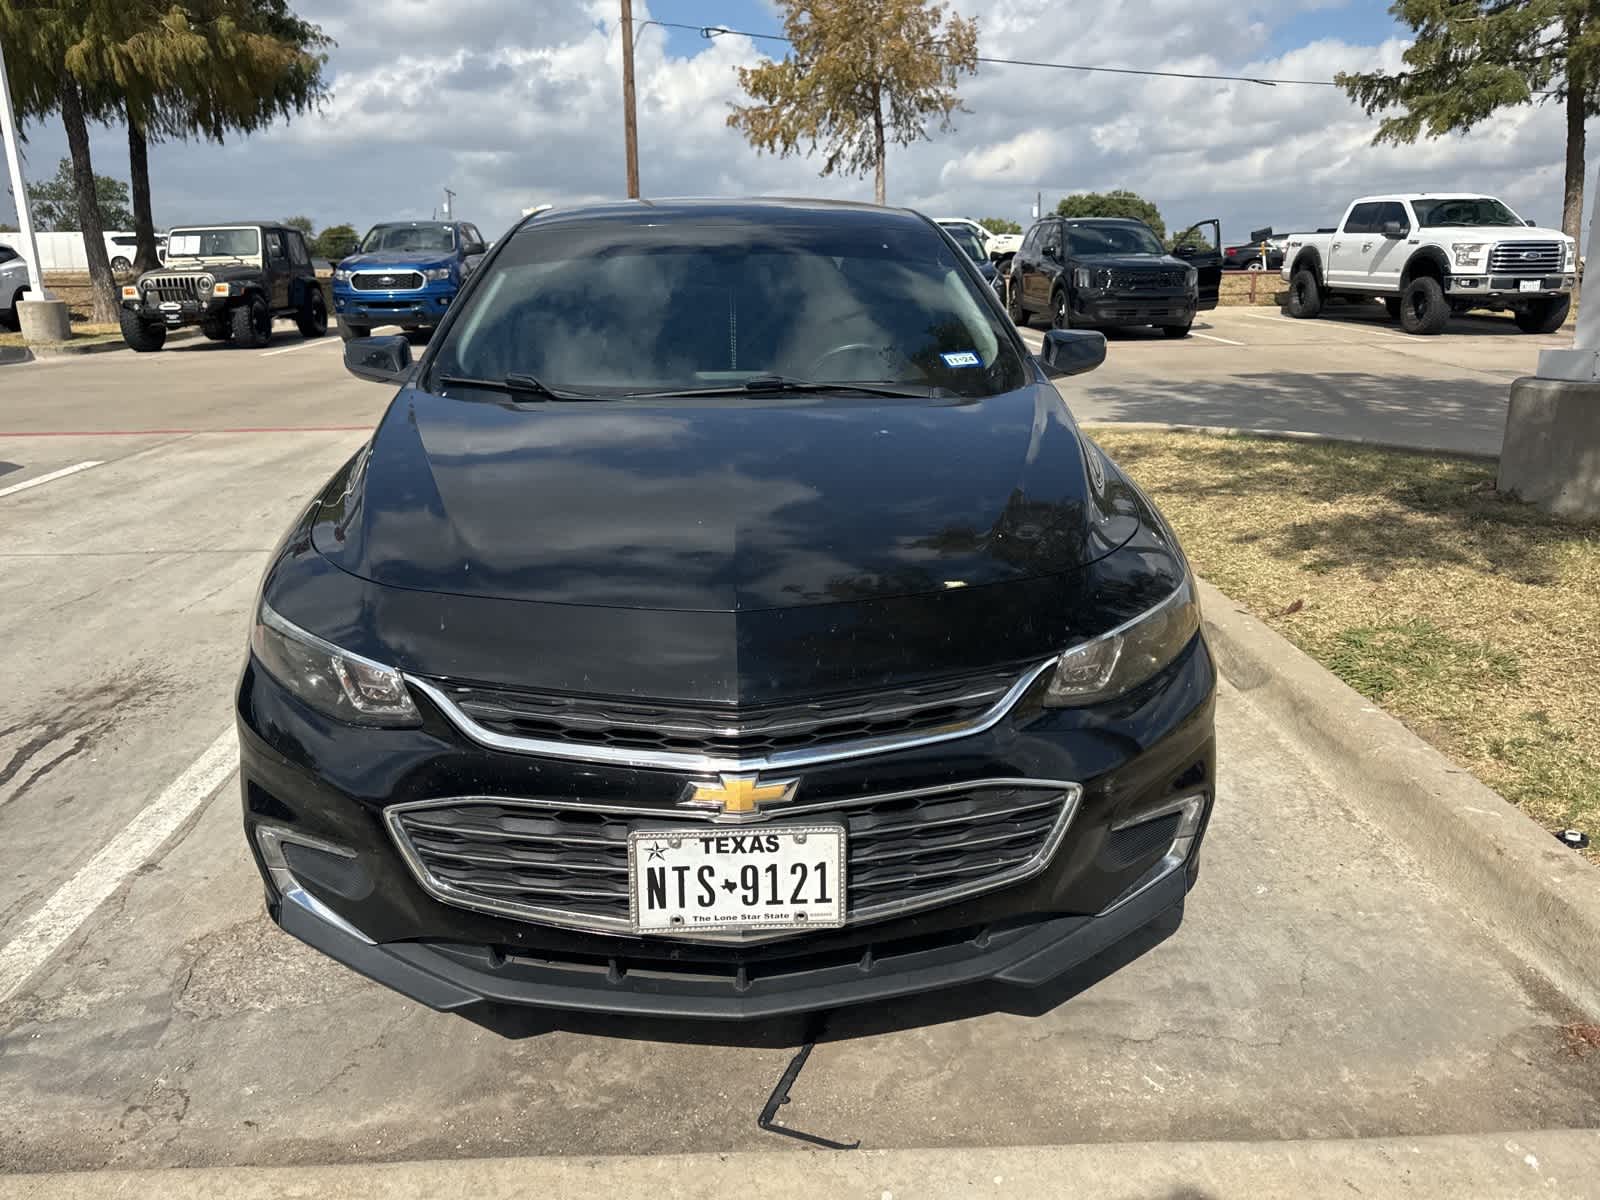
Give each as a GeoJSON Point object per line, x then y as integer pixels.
{"type": "Point", "coordinates": [630, 121]}
{"type": "Point", "coordinates": [449, 204]}
{"type": "Point", "coordinates": [19, 188]}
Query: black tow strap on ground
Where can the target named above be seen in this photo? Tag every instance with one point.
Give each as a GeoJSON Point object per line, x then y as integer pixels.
{"type": "Point", "coordinates": [780, 1097]}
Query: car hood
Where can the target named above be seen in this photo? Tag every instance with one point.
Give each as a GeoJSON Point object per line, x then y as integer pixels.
{"type": "Point", "coordinates": [416, 260]}
{"type": "Point", "coordinates": [719, 505]}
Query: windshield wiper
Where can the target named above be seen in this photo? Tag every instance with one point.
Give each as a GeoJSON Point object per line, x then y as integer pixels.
{"type": "Point", "coordinates": [772, 385]}
{"type": "Point", "coordinates": [515, 384]}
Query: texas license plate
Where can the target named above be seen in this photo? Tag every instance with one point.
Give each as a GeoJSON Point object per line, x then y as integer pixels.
{"type": "Point", "coordinates": [710, 880]}
{"type": "Point", "coordinates": [1530, 285]}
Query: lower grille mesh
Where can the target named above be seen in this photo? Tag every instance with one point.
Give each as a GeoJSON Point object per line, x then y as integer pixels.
{"type": "Point", "coordinates": [569, 866]}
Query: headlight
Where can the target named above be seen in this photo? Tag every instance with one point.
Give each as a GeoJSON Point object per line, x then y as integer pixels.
{"type": "Point", "coordinates": [332, 681]}
{"type": "Point", "coordinates": [146, 284]}
{"type": "Point", "coordinates": [1105, 667]}
{"type": "Point", "coordinates": [1193, 279]}
{"type": "Point", "coordinates": [1468, 253]}
{"type": "Point", "coordinates": [205, 283]}
{"type": "Point", "coordinates": [437, 273]}
{"type": "Point", "coordinates": [1080, 277]}
{"type": "Point", "coordinates": [1572, 256]}
{"type": "Point", "coordinates": [340, 275]}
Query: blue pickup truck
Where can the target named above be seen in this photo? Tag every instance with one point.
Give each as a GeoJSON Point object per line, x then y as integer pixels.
{"type": "Point", "coordinates": [404, 273]}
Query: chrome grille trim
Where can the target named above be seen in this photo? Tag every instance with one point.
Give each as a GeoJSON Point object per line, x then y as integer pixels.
{"type": "Point", "coordinates": [171, 287]}
{"type": "Point", "coordinates": [1509, 258]}
{"type": "Point", "coordinates": [702, 764]}
{"type": "Point", "coordinates": [1003, 870]}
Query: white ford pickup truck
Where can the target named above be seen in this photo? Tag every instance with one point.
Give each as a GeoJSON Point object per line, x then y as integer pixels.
{"type": "Point", "coordinates": [1427, 255]}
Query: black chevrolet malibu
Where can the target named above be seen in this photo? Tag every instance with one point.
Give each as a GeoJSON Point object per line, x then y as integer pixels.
{"type": "Point", "coordinates": [727, 618]}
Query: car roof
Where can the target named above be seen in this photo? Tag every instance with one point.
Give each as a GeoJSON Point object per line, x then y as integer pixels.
{"type": "Point", "coordinates": [1425, 196]}
{"type": "Point", "coordinates": [1103, 221]}
{"type": "Point", "coordinates": [776, 209]}
{"type": "Point", "coordinates": [231, 225]}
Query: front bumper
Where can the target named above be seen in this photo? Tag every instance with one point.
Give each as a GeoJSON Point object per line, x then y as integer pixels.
{"type": "Point", "coordinates": [1138, 308]}
{"type": "Point", "coordinates": [1508, 289]}
{"type": "Point", "coordinates": [332, 784]}
{"type": "Point", "coordinates": [426, 306]}
{"type": "Point", "coordinates": [176, 313]}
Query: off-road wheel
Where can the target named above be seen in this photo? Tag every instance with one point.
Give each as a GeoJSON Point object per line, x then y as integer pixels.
{"type": "Point", "coordinates": [216, 329]}
{"type": "Point", "coordinates": [121, 267]}
{"type": "Point", "coordinates": [1544, 316]}
{"type": "Point", "coordinates": [143, 336]}
{"type": "Point", "coordinates": [1423, 309]}
{"type": "Point", "coordinates": [1177, 331]}
{"type": "Point", "coordinates": [312, 318]}
{"type": "Point", "coordinates": [1305, 294]}
{"type": "Point", "coordinates": [252, 323]}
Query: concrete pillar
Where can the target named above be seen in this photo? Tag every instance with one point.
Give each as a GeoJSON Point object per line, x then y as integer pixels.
{"type": "Point", "coordinates": [44, 321]}
{"type": "Point", "coordinates": [1551, 452]}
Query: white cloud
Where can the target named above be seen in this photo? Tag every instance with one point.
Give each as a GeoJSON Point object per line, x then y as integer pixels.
{"type": "Point", "coordinates": [512, 104]}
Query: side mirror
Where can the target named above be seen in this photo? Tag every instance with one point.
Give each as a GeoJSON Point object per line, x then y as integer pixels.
{"type": "Point", "coordinates": [1529, 221]}
{"type": "Point", "coordinates": [474, 248]}
{"type": "Point", "coordinates": [344, 250]}
{"type": "Point", "coordinates": [380, 359]}
{"type": "Point", "coordinates": [1072, 352]}
{"type": "Point", "coordinates": [1393, 229]}
{"type": "Point", "coordinates": [1186, 250]}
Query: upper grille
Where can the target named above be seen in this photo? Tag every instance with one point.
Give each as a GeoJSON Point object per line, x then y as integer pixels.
{"type": "Point", "coordinates": [568, 864]}
{"type": "Point", "coordinates": [1527, 258]}
{"type": "Point", "coordinates": [386, 281]}
{"type": "Point", "coordinates": [1125, 279]}
{"type": "Point", "coordinates": [172, 287]}
{"type": "Point", "coordinates": [732, 732]}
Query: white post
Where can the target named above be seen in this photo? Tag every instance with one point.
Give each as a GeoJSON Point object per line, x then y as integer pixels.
{"type": "Point", "coordinates": [1581, 364]}
{"type": "Point", "coordinates": [19, 189]}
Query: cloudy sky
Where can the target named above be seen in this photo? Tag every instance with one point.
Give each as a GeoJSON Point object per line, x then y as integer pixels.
{"type": "Point", "coordinates": [518, 102]}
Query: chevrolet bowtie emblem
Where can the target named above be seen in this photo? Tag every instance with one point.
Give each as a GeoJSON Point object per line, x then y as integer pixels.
{"type": "Point", "coordinates": [739, 795]}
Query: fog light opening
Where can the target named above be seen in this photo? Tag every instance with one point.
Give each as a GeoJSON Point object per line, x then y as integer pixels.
{"type": "Point", "coordinates": [1191, 810]}
{"type": "Point", "coordinates": [270, 840]}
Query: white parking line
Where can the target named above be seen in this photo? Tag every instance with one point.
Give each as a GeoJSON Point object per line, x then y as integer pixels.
{"type": "Point", "coordinates": [321, 341]}
{"type": "Point", "coordinates": [38, 479]}
{"type": "Point", "coordinates": [1345, 325]}
{"type": "Point", "coordinates": [75, 901]}
{"type": "Point", "coordinates": [1213, 338]}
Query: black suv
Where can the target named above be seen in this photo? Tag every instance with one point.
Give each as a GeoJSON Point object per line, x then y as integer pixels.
{"type": "Point", "coordinates": [1095, 272]}
{"type": "Point", "coordinates": [231, 280]}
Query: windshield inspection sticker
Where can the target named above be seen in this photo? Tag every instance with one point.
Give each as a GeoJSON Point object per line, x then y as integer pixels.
{"type": "Point", "coordinates": [962, 358]}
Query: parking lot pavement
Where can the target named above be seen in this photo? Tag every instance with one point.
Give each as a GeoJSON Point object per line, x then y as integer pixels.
{"type": "Point", "coordinates": [1319, 987]}
{"type": "Point", "coordinates": [1351, 373]}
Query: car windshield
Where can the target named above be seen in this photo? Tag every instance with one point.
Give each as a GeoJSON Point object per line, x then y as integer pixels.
{"type": "Point", "coordinates": [1112, 239]}
{"type": "Point", "coordinates": [1475, 210]}
{"type": "Point", "coordinates": [968, 240]}
{"type": "Point", "coordinates": [611, 307]}
{"type": "Point", "coordinates": [213, 243]}
{"type": "Point", "coordinates": [420, 236]}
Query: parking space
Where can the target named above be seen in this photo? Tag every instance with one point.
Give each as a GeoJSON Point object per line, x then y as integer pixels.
{"type": "Point", "coordinates": [1351, 373]}
{"type": "Point", "coordinates": [150, 1014]}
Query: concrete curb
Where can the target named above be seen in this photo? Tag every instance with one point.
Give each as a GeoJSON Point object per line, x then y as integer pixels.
{"type": "Point", "coordinates": [1290, 435]}
{"type": "Point", "coordinates": [72, 350]}
{"type": "Point", "coordinates": [1538, 898]}
{"type": "Point", "coordinates": [1546, 1164]}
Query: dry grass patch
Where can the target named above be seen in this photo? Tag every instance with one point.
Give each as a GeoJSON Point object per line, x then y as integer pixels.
{"type": "Point", "coordinates": [82, 331]}
{"type": "Point", "coordinates": [1471, 617]}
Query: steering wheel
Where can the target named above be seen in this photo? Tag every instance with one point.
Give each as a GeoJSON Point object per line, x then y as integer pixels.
{"type": "Point", "coordinates": [847, 348]}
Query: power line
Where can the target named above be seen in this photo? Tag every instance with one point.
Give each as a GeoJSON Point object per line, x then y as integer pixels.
{"type": "Point", "coordinates": [715, 31]}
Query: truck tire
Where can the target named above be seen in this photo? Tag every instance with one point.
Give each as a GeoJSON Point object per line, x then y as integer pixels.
{"type": "Point", "coordinates": [143, 336]}
{"type": "Point", "coordinates": [1391, 305]}
{"type": "Point", "coordinates": [354, 331]}
{"type": "Point", "coordinates": [121, 267]}
{"type": "Point", "coordinates": [313, 316]}
{"type": "Point", "coordinates": [1305, 294]}
{"type": "Point", "coordinates": [1014, 309]}
{"type": "Point", "coordinates": [1423, 309]}
{"type": "Point", "coordinates": [216, 329]}
{"type": "Point", "coordinates": [252, 323]}
{"type": "Point", "coordinates": [1176, 331]}
{"type": "Point", "coordinates": [1544, 316]}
